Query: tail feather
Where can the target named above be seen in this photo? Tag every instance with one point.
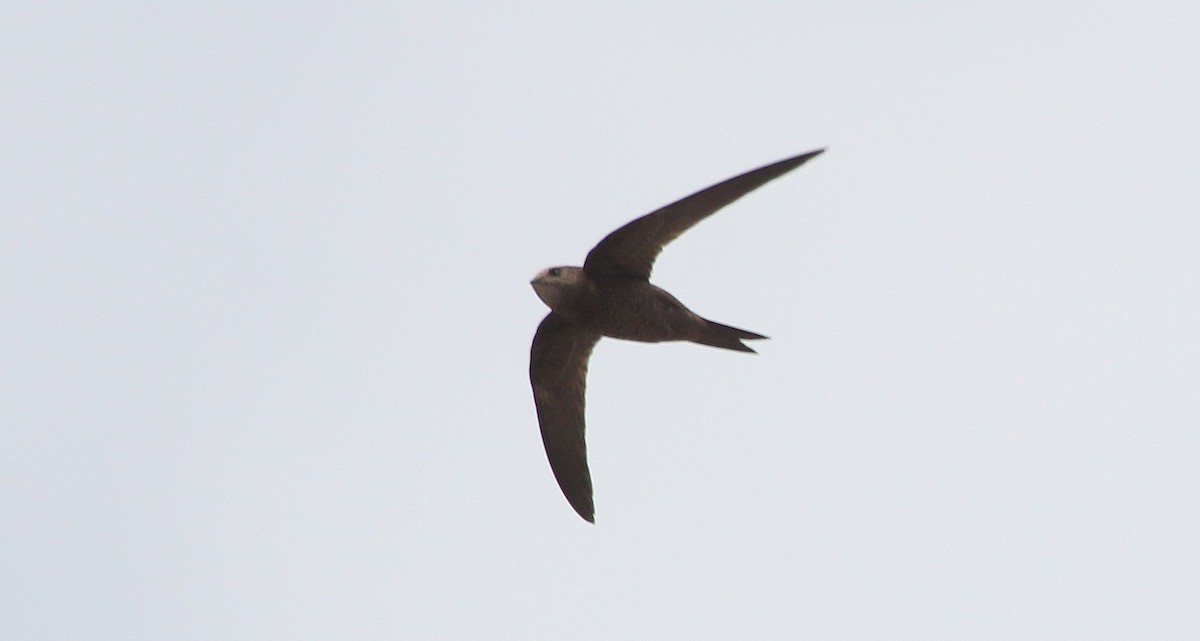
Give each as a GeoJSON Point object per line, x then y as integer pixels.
{"type": "Point", "coordinates": [726, 337]}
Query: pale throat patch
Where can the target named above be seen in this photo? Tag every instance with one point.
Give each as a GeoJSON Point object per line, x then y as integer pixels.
{"type": "Point", "coordinates": [553, 284]}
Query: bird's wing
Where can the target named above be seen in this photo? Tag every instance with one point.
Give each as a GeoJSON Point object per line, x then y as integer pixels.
{"type": "Point", "coordinates": [631, 250]}
{"type": "Point", "coordinates": [558, 372]}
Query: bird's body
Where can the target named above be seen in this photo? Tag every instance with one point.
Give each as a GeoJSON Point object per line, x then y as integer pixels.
{"type": "Point", "coordinates": [611, 295]}
{"type": "Point", "coordinates": [630, 309]}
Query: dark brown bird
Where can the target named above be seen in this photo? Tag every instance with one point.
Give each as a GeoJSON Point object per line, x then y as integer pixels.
{"type": "Point", "coordinates": [611, 295]}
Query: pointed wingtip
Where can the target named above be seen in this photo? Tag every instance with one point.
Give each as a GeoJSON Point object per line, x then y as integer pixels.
{"type": "Point", "coordinates": [788, 164]}
{"type": "Point", "coordinates": [810, 154]}
{"type": "Point", "coordinates": [581, 502]}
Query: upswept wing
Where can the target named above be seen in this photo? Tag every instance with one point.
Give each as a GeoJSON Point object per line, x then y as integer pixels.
{"type": "Point", "coordinates": [558, 373]}
{"type": "Point", "coordinates": [631, 250]}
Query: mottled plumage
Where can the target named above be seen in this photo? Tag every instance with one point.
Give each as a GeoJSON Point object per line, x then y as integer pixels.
{"type": "Point", "coordinates": [611, 296]}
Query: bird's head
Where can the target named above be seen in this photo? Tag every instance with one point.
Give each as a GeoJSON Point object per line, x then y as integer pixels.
{"type": "Point", "coordinates": [556, 286]}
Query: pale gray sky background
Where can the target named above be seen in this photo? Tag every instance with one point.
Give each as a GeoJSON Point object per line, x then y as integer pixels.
{"type": "Point", "coordinates": [266, 318]}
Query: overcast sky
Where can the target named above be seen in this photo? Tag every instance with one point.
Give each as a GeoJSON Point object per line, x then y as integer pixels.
{"type": "Point", "coordinates": [265, 321]}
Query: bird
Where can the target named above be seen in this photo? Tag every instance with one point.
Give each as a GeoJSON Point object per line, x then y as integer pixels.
{"type": "Point", "coordinates": [611, 296]}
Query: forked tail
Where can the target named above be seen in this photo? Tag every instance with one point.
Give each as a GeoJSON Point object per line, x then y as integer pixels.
{"type": "Point", "coordinates": [726, 337]}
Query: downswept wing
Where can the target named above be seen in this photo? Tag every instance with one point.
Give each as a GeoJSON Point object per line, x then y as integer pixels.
{"type": "Point", "coordinates": [631, 250]}
{"type": "Point", "coordinates": [558, 373]}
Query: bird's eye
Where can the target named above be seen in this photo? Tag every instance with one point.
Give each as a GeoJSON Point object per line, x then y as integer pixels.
{"type": "Point", "coordinates": [554, 271]}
